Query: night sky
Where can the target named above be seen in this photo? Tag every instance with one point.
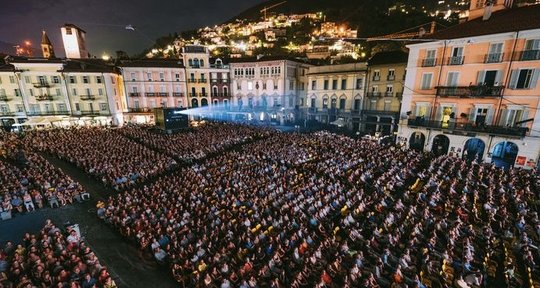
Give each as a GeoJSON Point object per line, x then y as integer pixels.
{"type": "Point", "coordinates": [105, 20]}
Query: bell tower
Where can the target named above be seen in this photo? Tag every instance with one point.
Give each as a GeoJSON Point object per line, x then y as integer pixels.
{"type": "Point", "coordinates": [46, 47]}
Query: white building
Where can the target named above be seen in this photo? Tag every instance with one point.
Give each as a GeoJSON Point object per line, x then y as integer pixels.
{"type": "Point", "coordinates": [268, 88]}
{"type": "Point", "coordinates": [152, 83]}
{"type": "Point", "coordinates": [74, 39]}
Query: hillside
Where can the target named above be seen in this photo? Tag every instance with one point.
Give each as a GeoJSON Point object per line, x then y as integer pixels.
{"type": "Point", "coordinates": [370, 17]}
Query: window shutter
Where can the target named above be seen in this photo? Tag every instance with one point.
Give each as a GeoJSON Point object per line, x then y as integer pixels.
{"type": "Point", "coordinates": [489, 116]}
{"type": "Point", "coordinates": [525, 117]}
{"type": "Point", "coordinates": [480, 77]}
{"type": "Point", "coordinates": [472, 114]}
{"type": "Point", "coordinates": [534, 79]}
{"type": "Point", "coordinates": [498, 78]}
{"type": "Point", "coordinates": [502, 117]}
{"type": "Point", "coordinates": [513, 79]}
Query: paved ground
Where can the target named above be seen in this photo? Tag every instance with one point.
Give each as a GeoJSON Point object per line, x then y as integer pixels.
{"type": "Point", "coordinates": [121, 258]}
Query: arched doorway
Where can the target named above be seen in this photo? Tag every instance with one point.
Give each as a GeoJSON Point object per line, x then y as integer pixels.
{"type": "Point", "coordinates": [440, 145]}
{"type": "Point", "coordinates": [417, 141]}
{"type": "Point", "coordinates": [504, 154]}
{"type": "Point", "coordinates": [474, 149]}
{"type": "Point", "coordinates": [204, 102]}
{"type": "Point", "coordinates": [194, 103]}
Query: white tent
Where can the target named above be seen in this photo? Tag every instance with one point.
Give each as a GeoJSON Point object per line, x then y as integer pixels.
{"type": "Point", "coordinates": [340, 122]}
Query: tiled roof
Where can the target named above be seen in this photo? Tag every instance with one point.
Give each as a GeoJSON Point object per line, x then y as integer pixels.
{"type": "Point", "coordinates": [157, 62]}
{"type": "Point", "coordinates": [389, 57]}
{"type": "Point", "coordinates": [509, 20]}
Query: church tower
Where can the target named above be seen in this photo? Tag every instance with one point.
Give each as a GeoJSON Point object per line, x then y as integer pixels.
{"type": "Point", "coordinates": [46, 46]}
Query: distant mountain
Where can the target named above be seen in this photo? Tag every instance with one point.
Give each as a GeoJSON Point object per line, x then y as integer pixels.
{"type": "Point", "coordinates": [370, 17]}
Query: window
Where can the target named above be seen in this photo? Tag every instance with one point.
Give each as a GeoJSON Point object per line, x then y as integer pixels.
{"type": "Point", "coordinates": [430, 54]}
{"type": "Point", "coordinates": [88, 91]}
{"type": "Point", "coordinates": [74, 91]}
{"type": "Point", "coordinates": [264, 86]}
{"type": "Point", "coordinates": [313, 85]}
{"type": "Point", "coordinates": [359, 83]}
{"type": "Point", "coordinates": [203, 91]}
{"type": "Point", "coordinates": [86, 79]}
{"type": "Point", "coordinates": [58, 93]}
{"type": "Point", "coordinates": [161, 76]}
{"type": "Point", "coordinates": [452, 79]}
{"type": "Point", "coordinates": [19, 107]}
{"type": "Point", "coordinates": [391, 75]}
{"type": "Point", "coordinates": [77, 107]}
{"type": "Point", "coordinates": [27, 79]}
{"type": "Point", "coordinates": [342, 103]}
{"type": "Point", "coordinates": [31, 92]}
{"type": "Point", "coordinates": [103, 106]}
{"type": "Point", "coordinates": [426, 81]}
{"type": "Point", "coordinates": [325, 84]}
{"type": "Point", "coordinates": [376, 75]}
{"type": "Point", "coordinates": [250, 85]}
{"type": "Point", "coordinates": [55, 79]}
{"type": "Point", "coordinates": [201, 63]}
{"type": "Point", "coordinates": [325, 103]}
{"type": "Point", "coordinates": [68, 31]}
{"type": "Point", "coordinates": [100, 92]}
{"type": "Point", "coordinates": [99, 80]}
{"type": "Point", "coordinates": [17, 92]}
{"type": "Point", "coordinates": [12, 79]}
{"type": "Point", "coordinates": [133, 77]}
{"type": "Point", "coordinates": [291, 85]}
{"type": "Point", "coordinates": [177, 76]}
{"type": "Point", "coordinates": [313, 101]}
{"type": "Point", "coordinates": [62, 107]}
{"type": "Point", "coordinates": [457, 56]}
{"type": "Point", "coordinates": [334, 84]}
{"type": "Point", "coordinates": [495, 53]}
{"type": "Point", "coordinates": [524, 79]}
{"type": "Point", "coordinates": [225, 91]}
{"type": "Point", "coordinates": [275, 86]}
{"type": "Point", "coordinates": [343, 84]}
{"type": "Point", "coordinates": [72, 79]}
{"type": "Point", "coordinates": [149, 76]}
{"type": "Point", "coordinates": [389, 89]}
{"type": "Point", "coordinates": [357, 103]}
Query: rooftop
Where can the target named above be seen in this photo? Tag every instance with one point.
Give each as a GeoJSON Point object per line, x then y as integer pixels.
{"type": "Point", "coordinates": [88, 65]}
{"type": "Point", "coordinates": [508, 20]}
{"type": "Point", "coordinates": [154, 62]}
{"type": "Point", "coordinates": [388, 57]}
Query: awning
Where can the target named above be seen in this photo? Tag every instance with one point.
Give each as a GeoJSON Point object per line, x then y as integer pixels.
{"type": "Point", "coordinates": [340, 122]}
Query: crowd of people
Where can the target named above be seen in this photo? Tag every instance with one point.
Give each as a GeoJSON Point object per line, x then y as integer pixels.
{"type": "Point", "coordinates": [115, 160]}
{"type": "Point", "coordinates": [196, 143]}
{"type": "Point", "coordinates": [28, 181]}
{"type": "Point", "coordinates": [52, 258]}
{"type": "Point", "coordinates": [305, 210]}
{"type": "Point", "coordinates": [308, 210]}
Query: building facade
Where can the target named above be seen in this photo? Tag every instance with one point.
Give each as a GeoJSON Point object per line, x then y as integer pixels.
{"type": "Point", "coordinates": [268, 88]}
{"type": "Point", "coordinates": [197, 61]}
{"type": "Point", "coordinates": [74, 39]}
{"type": "Point", "coordinates": [152, 83]}
{"type": "Point", "coordinates": [475, 92]}
{"type": "Point", "coordinates": [381, 107]}
{"type": "Point", "coordinates": [334, 92]}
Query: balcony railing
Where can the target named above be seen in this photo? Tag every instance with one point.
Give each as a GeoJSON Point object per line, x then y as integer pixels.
{"type": "Point", "coordinates": [391, 77]}
{"type": "Point", "coordinates": [375, 112]}
{"type": "Point", "coordinates": [4, 98]}
{"type": "Point", "coordinates": [455, 60]}
{"type": "Point", "coordinates": [202, 80]}
{"type": "Point", "coordinates": [89, 112]}
{"type": "Point", "coordinates": [203, 94]}
{"type": "Point", "coordinates": [220, 94]}
{"type": "Point", "coordinates": [429, 62]}
{"type": "Point", "coordinates": [163, 94]}
{"type": "Point", "coordinates": [374, 94]}
{"type": "Point", "coordinates": [88, 97]}
{"type": "Point", "coordinates": [528, 55]}
{"type": "Point", "coordinates": [7, 113]}
{"type": "Point", "coordinates": [469, 91]}
{"type": "Point", "coordinates": [191, 80]}
{"type": "Point", "coordinates": [47, 113]}
{"type": "Point", "coordinates": [388, 94]}
{"type": "Point", "coordinates": [42, 84]}
{"type": "Point", "coordinates": [469, 127]}
{"type": "Point", "coordinates": [192, 94]}
{"type": "Point", "coordinates": [399, 94]}
{"type": "Point", "coordinates": [134, 94]}
{"type": "Point", "coordinates": [44, 98]}
{"type": "Point", "coordinates": [493, 58]}
{"type": "Point", "coordinates": [178, 94]}
{"type": "Point", "coordinates": [150, 94]}
{"type": "Point", "coordinates": [376, 78]}
{"type": "Point", "coordinates": [139, 110]}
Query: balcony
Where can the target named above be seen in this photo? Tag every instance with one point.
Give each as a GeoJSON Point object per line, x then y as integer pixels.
{"type": "Point", "coordinates": [4, 98]}
{"type": "Point", "coordinates": [493, 58]}
{"type": "Point", "coordinates": [455, 60]}
{"type": "Point", "coordinates": [374, 94]}
{"type": "Point", "coordinates": [163, 94]}
{"type": "Point", "coordinates": [191, 80]}
{"type": "Point", "coordinates": [178, 94]}
{"type": "Point", "coordinates": [7, 113]}
{"type": "Point", "coordinates": [388, 94]}
{"type": "Point", "coordinates": [376, 78]}
{"type": "Point", "coordinates": [41, 84]}
{"type": "Point", "coordinates": [375, 112]}
{"type": "Point", "coordinates": [391, 77]}
{"type": "Point", "coordinates": [44, 98]}
{"type": "Point", "coordinates": [192, 94]}
{"type": "Point", "coordinates": [134, 94]}
{"type": "Point", "coordinates": [399, 95]}
{"type": "Point", "coordinates": [47, 113]}
{"type": "Point", "coordinates": [139, 110]}
{"type": "Point", "coordinates": [468, 127]}
{"type": "Point", "coordinates": [88, 112]}
{"type": "Point", "coordinates": [429, 62]}
{"type": "Point", "coordinates": [203, 94]}
{"type": "Point", "coordinates": [150, 94]}
{"type": "Point", "coordinates": [529, 55]}
{"type": "Point", "coordinates": [478, 91]}
{"type": "Point", "coordinates": [202, 80]}
{"type": "Point", "coordinates": [88, 97]}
